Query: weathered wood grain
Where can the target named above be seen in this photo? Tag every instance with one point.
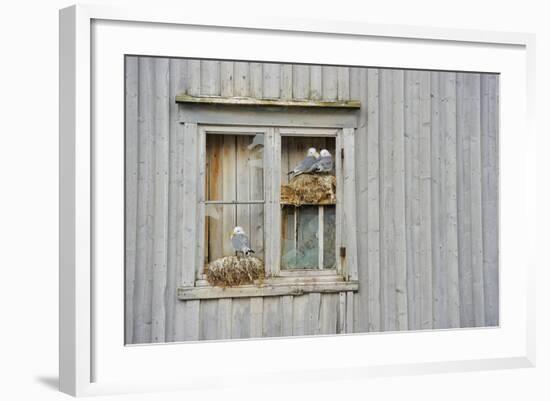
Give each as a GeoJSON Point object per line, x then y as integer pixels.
{"type": "Point", "coordinates": [241, 79]}
{"type": "Point", "coordinates": [300, 81]}
{"type": "Point", "coordinates": [272, 317]}
{"type": "Point", "coordinates": [490, 179]}
{"type": "Point", "coordinates": [143, 276]}
{"type": "Point", "coordinates": [286, 81]}
{"type": "Point", "coordinates": [175, 313]}
{"type": "Point", "coordinates": [256, 316]}
{"type": "Point", "coordinates": [226, 78]}
{"type": "Point", "coordinates": [160, 213]}
{"type": "Point", "coordinates": [256, 80]}
{"type": "Point", "coordinates": [131, 190]}
{"type": "Point", "coordinates": [210, 77]}
{"type": "Point", "coordinates": [373, 199]}
{"type": "Point", "coordinates": [315, 82]}
{"type": "Point", "coordinates": [329, 313]}
{"type": "Point", "coordinates": [426, 183]}
{"type": "Point", "coordinates": [209, 320]}
{"type": "Point", "coordinates": [343, 83]}
{"type": "Point", "coordinates": [224, 319]}
{"type": "Point", "coordinates": [240, 318]}
{"type": "Point", "coordinates": [330, 83]}
{"type": "Point", "coordinates": [271, 81]}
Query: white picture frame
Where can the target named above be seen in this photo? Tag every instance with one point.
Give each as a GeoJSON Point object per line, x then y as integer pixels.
{"type": "Point", "coordinates": [93, 358]}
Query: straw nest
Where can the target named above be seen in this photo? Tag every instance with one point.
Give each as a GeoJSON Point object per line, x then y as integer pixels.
{"type": "Point", "coordinates": [310, 189]}
{"type": "Point", "coordinates": [231, 271]}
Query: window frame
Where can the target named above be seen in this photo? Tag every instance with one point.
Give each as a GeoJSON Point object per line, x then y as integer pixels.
{"type": "Point", "coordinates": [203, 131]}
{"type": "Point", "coordinates": [305, 132]}
{"type": "Point", "coordinates": [273, 122]}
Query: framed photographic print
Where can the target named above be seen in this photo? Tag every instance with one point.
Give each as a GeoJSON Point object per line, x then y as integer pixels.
{"type": "Point", "coordinates": [349, 191]}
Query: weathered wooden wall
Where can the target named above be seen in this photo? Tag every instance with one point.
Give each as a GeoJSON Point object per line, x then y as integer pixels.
{"type": "Point", "coordinates": [427, 201]}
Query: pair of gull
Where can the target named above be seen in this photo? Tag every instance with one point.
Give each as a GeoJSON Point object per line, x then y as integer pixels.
{"type": "Point", "coordinates": [312, 163]}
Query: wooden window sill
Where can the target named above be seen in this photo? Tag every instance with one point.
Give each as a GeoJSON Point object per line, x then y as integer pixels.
{"type": "Point", "coordinates": [271, 287]}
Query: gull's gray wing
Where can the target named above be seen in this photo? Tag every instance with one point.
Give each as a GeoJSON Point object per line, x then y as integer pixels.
{"type": "Point", "coordinates": [324, 164]}
{"type": "Point", "coordinates": [305, 166]}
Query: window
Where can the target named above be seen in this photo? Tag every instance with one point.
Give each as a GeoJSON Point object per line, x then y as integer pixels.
{"type": "Point", "coordinates": [308, 206]}
{"type": "Point", "coordinates": [301, 227]}
{"type": "Point", "coordinates": [234, 189]}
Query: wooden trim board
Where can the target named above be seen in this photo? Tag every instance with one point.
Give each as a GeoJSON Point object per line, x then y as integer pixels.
{"type": "Point", "coordinates": [265, 290]}
{"type": "Point", "coordinates": [249, 101]}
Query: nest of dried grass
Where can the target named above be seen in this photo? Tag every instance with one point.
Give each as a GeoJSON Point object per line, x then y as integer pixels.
{"type": "Point", "coordinates": [231, 271]}
{"type": "Point", "coordinates": [310, 189]}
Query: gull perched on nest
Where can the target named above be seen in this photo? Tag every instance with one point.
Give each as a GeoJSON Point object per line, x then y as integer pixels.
{"type": "Point", "coordinates": [240, 242]}
{"type": "Point", "coordinates": [324, 164]}
{"type": "Point", "coordinates": [307, 165]}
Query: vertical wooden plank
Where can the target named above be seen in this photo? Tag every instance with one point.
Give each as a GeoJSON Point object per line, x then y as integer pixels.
{"type": "Point", "coordinates": [286, 81]}
{"type": "Point", "coordinates": [208, 319]}
{"type": "Point", "coordinates": [464, 205]}
{"type": "Point", "coordinates": [341, 313]}
{"type": "Point", "coordinates": [355, 82]}
{"type": "Point", "coordinates": [426, 289]}
{"type": "Point", "coordinates": [330, 83]}
{"type": "Point", "coordinates": [189, 203]}
{"type": "Point", "coordinates": [194, 77]}
{"type": "Point", "coordinates": [188, 237]}
{"type": "Point", "coordinates": [315, 82]}
{"type": "Point", "coordinates": [399, 200]}
{"type": "Point", "coordinates": [174, 308]}
{"type": "Point", "coordinates": [226, 78]}
{"type": "Point", "coordinates": [349, 312]}
{"type": "Point", "coordinates": [131, 190]}
{"type": "Point", "coordinates": [143, 277]}
{"type": "Point", "coordinates": [271, 81]}
{"type": "Point", "coordinates": [387, 258]}
{"type": "Point", "coordinates": [256, 78]}
{"type": "Point", "coordinates": [412, 196]}
{"type": "Point", "coordinates": [474, 92]}
{"type": "Point", "coordinates": [393, 263]}
{"type": "Point", "coordinates": [241, 79]}
{"type": "Point", "coordinates": [224, 319]}
{"type": "Point", "coordinates": [229, 165]}
{"type": "Point", "coordinates": [449, 120]}
{"type": "Point", "coordinates": [191, 327]}
{"type": "Point", "coordinates": [329, 313]}
{"type": "Point", "coordinates": [272, 317]}
{"type": "Point", "coordinates": [313, 313]}
{"type": "Point", "coordinates": [349, 205]}
{"type": "Point", "coordinates": [256, 317]}
{"type": "Point", "coordinates": [299, 315]}
{"type": "Point", "coordinates": [373, 200]}
{"type": "Point", "coordinates": [490, 176]}
{"type": "Point", "coordinates": [343, 83]}
{"type": "Point", "coordinates": [210, 77]}
{"type": "Point", "coordinates": [438, 204]}
{"type": "Point", "coordinates": [240, 318]}
{"type": "Point", "coordinates": [160, 213]}
{"type": "Point", "coordinates": [300, 81]}
{"type": "Point", "coordinates": [287, 319]}
{"type": "Point", "coordinates": [418, 195]}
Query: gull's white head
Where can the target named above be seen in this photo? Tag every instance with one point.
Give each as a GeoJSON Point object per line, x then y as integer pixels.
{"type": "Point", "coordinates": [325, 153]}
{"type": "Point", "coordinates": [238, 230]}
{"type": "Point", "coordinates": [312, 152]}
